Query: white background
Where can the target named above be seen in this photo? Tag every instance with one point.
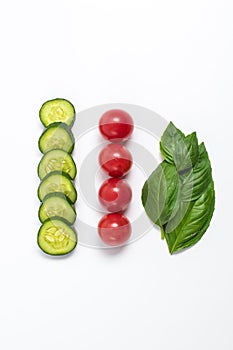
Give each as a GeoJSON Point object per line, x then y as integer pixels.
{"type": "Point", "coordinates": [174, 57]}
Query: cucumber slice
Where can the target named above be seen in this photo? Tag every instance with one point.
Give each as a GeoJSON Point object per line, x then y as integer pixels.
{"type": "Point", "coordinates": [56, 137]}
{"type": "Point", "coordinates": [57, 110]}
{"type": "Point", "coordinates": [59, 183]}
{"type": "Point", "coordinates": [55, 237]}
{"type": "Point", "coordinates": [56, 205]}
{"type": "Point", "coordinates": [56, 160]}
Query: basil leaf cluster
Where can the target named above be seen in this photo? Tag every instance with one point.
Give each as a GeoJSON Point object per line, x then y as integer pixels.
{"type": "Point", "coordinates": [179, 195]}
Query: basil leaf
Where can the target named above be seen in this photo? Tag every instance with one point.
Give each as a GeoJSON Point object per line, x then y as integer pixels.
{"type": "Point", "coordinates": [198, 179]}
{"type": "Point", "coordinates": [179, 195]}
{"type": "Point", "coordinates": [186, 153]}
{"type": "Point", "coordinates": [160, 193]}
{"type": "Point", "coordinates": [169, 140]}
{"type": "Point", "coordinates": [191, 221]}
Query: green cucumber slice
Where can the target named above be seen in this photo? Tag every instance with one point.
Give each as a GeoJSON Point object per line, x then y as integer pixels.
{"type": "Point", "coordinates": [55, 237]}
{"type": "Point", "coordinates": [57, 110]}
{"type": "Point", "coordinates": [56, 205]}
{"type": "Point", "coordinates": [56, 160]}
{"type": "Point", "coordinates": [57, 182]}
{"type": "Point", "coordinates": [56, 137]}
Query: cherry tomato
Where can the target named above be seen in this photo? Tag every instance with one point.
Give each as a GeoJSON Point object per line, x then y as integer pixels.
{"type": "Point", "coordinates": [115, 195]}
{"type": "Point", "coordinates": [114, 229]}
{"type": "Point", "coordinates": [115, 160]}
{"type": "Point", "coordinates": [116, 125]}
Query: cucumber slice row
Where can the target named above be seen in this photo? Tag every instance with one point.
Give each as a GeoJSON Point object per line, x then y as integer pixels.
{"type": "Point", "coordinates": [56, 205]}
{"type": "Point", "coordinates": [56, 136]}
{"type": "Point", "coordinates": [55, 237]}
{"type": "Point", "coordinates": [57, 171]}
{"type": "Point", "coordinates": [57, 160]}
{"type": "Point", "coordinates": [57, 110]}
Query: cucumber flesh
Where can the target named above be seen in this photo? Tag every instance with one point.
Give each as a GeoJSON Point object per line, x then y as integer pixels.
{"type": "Point", "coordinates": [57, 182]}
{"type": "Point", "coordinates": [56, 205]}
{"type": "Point", "coordinates": [56, 137]}
{"type": "Point", "coordinates": [56, 160]}
{"type": "Point", "coordinates": [57, 110]}
{"type": "Point", "coordinates": [55, 237]}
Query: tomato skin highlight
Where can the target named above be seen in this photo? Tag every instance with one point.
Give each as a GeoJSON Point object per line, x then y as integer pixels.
{"type": "Point", "coordinates": [115, 160]}
{"type": "Point", "coordinates": [115, 194]}
{"type": "Point", "coordinates": [114, 229]}
{"type": "Point", "coordinates": [116, 125]}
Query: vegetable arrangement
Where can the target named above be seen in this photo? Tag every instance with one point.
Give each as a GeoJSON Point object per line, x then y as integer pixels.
{"type": "Point", "coordinates": [179, 195]}
{"type": "Point", "coordinates": [57, 171]}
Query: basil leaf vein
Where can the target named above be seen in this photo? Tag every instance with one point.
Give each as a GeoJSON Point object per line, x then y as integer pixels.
{"type": "Point", "coordinates": [191, 221]}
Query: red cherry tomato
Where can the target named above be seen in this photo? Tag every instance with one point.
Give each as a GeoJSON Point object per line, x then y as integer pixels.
{"type": "Point", "coordinates": [114, 229]}
{"type": "Point", "coordinates": [115, 195]}
{"type": "Point", "coordinates": [115, 160]}
{"type": "Point", "coordinates": [116, 125]}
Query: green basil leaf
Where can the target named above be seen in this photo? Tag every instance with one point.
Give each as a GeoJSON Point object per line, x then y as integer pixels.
{"type": "Point", "coordinates": [179, 195]}
{"type": "Point", "coordinates": [186, 153]}
{"type": "Point", "coordinates": [160, 194]}
{"type": "Point", "coordinates": [169, 140]}
{"type": "Point", "coordinates": [191, 221]}
{"type": "Point", "coordinates": [198, 179]}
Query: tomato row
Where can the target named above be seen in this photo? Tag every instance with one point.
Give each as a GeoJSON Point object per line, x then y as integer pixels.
{"type": "Point", "coordinates": [115, 193]}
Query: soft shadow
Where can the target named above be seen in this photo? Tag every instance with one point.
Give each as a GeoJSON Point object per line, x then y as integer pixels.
{"type": "Point", "coordinates": [113, 251]}
{"type": "Point", "coordinates": [55, 257]}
